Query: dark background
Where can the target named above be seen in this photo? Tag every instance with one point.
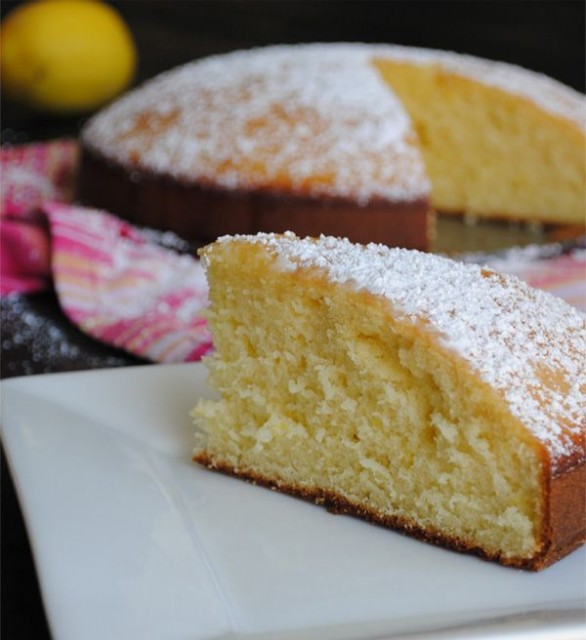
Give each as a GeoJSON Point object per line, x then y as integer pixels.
{"type": "Point", "coordinates": [546, 36]}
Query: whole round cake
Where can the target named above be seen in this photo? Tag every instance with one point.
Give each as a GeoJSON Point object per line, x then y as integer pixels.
{"type": "Point", "coordinates": [352, 140]}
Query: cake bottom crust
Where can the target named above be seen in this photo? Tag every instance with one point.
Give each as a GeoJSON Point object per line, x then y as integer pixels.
{"type": "Point", "coordinates": [338, 504]}
{"type": "Point", "coordinates": [200, 213]}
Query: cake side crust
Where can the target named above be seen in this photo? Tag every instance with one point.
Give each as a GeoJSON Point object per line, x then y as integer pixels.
{"type": "Point", "coordinates": [565, 526]}
{"type": "Point", "coordinates": [553, 551]}
{"type": "Point", "coordinates": [202, 211]}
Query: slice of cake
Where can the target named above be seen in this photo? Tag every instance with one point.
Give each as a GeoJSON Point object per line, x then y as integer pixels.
{"type": "Point", "coordinates": [437, 398]}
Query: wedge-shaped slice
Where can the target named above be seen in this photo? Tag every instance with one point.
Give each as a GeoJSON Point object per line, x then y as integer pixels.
{"type": "Point", "coordinates": [434, 397]}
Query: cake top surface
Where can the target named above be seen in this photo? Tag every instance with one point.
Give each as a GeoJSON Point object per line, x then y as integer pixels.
{"type": "Point", "coordinates": [307, 120]}
{"type": "Point", "coordinates": [313, 119]}
{"type": "Point", "coordinates": [527, 344]}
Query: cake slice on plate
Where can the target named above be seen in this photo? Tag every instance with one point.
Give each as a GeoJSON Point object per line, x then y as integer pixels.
{"type": "Point", "coordinates": [437, 398]}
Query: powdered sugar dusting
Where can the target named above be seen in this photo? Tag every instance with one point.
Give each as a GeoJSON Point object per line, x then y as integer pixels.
{"type": "Point", "coordinates": [304, 119]}
{"type": "Point", "coordinates": [527, 344]}
{"type": "Point", "coordinates": [314, 120]}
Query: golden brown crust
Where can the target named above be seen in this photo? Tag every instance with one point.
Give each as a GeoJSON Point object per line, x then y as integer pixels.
{"type": "Point", "coordinates": [200, 213]}
{"type": "Point", "coordinates": [564, 530]}
{"type": "Point", "coordinates": [565, 509]}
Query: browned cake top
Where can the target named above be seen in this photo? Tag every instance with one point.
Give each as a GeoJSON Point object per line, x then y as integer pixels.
{"type": "Point", "coordinates": [304, 120]}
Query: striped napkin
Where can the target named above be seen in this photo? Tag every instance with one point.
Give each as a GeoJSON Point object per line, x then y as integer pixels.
{"type": "Point", "coordinates": [120, 287]}
{"type": "Point", "coordinates": [30, 175]}
{"type": "Point", "coordinates": [112, 280]}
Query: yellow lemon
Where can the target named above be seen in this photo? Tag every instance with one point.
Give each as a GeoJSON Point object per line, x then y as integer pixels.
{"type": "Point", "coordinates": [65, 55]}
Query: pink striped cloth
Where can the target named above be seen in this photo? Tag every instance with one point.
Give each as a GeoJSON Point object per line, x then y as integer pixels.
{"type": "Point", "coordinates": [111, 280]}
{"type": "Point", "coordinates": [125, 291]}
{"type": "Point", "coordinates": [122, 289]}
{"type": "Point", "coordinates": [30, 175]}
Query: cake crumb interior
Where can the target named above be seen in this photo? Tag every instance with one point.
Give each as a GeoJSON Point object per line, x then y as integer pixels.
{"type": "Point", "coordinates": [525, 162]}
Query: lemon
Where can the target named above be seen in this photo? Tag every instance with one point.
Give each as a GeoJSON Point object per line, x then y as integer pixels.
{"type": "Point", "coordinates": [65, 56]}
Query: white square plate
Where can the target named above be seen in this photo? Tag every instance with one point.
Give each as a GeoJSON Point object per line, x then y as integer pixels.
{"type": "Point", "coordinates": [133, 540]}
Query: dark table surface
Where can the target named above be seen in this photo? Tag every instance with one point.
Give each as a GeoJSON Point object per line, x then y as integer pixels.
{"type": "Point", "coordinates": [545, 36]}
